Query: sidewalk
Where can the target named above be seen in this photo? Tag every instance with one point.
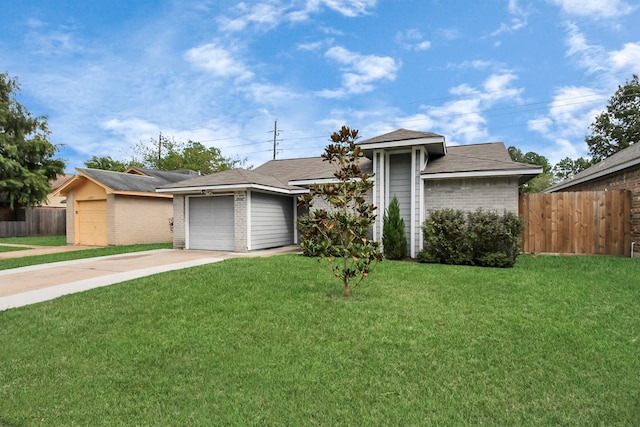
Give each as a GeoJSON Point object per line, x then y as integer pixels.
{"type": "Point", "coordinates": [43, 282]}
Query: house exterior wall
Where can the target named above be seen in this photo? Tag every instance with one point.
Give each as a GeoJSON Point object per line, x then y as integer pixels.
{"type": "Point", "coordinates": [179, 226]}
{"type": "Point", "coordinates": [71, 228]}
{"type": "Point", "coordinates": [469, 194]}
{"type": "Point", "coordinates": [628, 179]}
{"type": "Point", "coordinates": [271, 221]}
{"type": "Point", "coordinates": [136, 219]}
{"type": "Point", "coordinates": [241, 224]}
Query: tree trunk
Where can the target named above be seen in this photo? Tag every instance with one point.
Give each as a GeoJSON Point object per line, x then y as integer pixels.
{"type": "Point", "coordinates": [347, 290]}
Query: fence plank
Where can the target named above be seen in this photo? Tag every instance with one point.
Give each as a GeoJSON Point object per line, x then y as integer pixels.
{"type": "Point", "coordinates": [588, 222]}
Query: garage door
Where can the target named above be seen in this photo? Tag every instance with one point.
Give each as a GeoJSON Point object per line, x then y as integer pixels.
{"type": "Point", "coordinates": [211, 223]}
{"type": "Point", "coordinates": [92, 222]}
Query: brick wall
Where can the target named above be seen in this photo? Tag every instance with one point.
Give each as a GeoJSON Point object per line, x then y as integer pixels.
{"type": "Point", "coordinates": [624, 180]}
{"type": "Point", "coordinates": [240, 221]}
{"type": "Point", "coordinates": [490, 194]}
{"type": "Point", "coordinates": [178, 221]}
{"type": "Point", "coordinates": [139, 220]}
{"type": "Point", "coordinates": [71, 215]}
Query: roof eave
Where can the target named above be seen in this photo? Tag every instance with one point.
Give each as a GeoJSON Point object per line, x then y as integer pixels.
{"type": "Point", "coordinates": [573, 181]}
{"type": "Point", "coordinates": [227, 187]}
{"type": "Point", "coordinates": [529, 173]}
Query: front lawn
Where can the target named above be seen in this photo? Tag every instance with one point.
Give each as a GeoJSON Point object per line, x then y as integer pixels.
{"type": "Point", "coordinates": [36, 240]}
{"type": "Point", "coordinates": [270, 341]}
{"type": "Point", "coordinates": [26, 261]}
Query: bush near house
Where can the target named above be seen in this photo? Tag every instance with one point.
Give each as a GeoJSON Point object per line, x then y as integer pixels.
{"type": "Point", "coordinates": [478, 238]}
{"type": "Point", "coordinates": [394, 239]}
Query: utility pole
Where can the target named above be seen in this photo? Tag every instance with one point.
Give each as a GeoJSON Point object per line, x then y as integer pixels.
{"type": "Point", "coordinates": [275, 134]}
{"type": "Point", "coordinates": [159, 148]}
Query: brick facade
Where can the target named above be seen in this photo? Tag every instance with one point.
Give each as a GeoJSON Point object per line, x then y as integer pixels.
{"type": "Point", "coordinates": [240, 208]}
{"type": "Point", "coordinates": [135, 219]}
{"type": "Point", "coordinates": [628, 179]}
{"type": "Point", "coordinates": [179, 221]}
{"type": "Point", "coordinates": [469, 194]}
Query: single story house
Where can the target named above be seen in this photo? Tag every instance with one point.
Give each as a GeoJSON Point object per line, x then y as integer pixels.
{"type": "Point", "coordinates": [119, 208]}
{"type": "Point", "coordinates": [620, 171]}
{"type": "Point", "coordinates": [243, 210]}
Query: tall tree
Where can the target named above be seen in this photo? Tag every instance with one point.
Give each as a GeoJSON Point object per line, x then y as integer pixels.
{"type": "Point", "coordinates": [109, 164]}
{"type": "Point", "coordinates": [568, 167]}
{"type": "Point", "coordinates": [168, 154]}
{"type": "Point", "coordinates": [27, 162]}
{"type": "Point", "coordinates": [340, 233]}
{"type": "Point", "coordinates": [619, 126]}
{"type": "Point", "coordinates": [540, 182]}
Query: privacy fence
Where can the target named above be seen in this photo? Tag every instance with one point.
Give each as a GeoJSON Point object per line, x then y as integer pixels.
{"type": "Point", "coordinates": [585, 222]}
{"type": "Point", "coordinates": [42, 221]}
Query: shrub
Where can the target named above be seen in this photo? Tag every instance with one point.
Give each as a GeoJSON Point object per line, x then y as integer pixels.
{"type": "Point", "coordinates": [394, 239]}
{"type": "Point", "coordinates": [483, 238]}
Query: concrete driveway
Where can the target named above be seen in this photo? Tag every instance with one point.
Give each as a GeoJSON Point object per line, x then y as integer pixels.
{"type": "Point", "coordinates": [30, 285]}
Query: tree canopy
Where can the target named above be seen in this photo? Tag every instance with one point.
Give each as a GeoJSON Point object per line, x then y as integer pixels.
{"type": "Point", "coordinates": [27, 162]}
{"type": "Point", "coordinates": [110, 164]}
{"type": "Point", "coordinates": [568, 167]}
{"type": "Point", "coordinates": [540, 182]}
{"type": "Point", "coordinates": [168, 154]}
{"type": "Point", "coordinates": [619, 126]}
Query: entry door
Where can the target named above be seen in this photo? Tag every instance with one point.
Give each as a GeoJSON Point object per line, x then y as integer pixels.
{"type": "Point", "coordinates": [211, 223]}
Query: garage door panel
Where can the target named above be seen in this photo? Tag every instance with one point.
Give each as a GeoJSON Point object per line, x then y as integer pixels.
{"type": "Point", "coordinates": [211, 223]}
{"type": "Point", "coordinates": [92, 222]}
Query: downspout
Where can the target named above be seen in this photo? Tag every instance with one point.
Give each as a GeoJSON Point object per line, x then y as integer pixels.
{"type": "Point", "coordinates": [632, 243]}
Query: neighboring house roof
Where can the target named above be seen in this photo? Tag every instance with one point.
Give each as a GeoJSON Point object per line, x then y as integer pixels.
{"type": "Point", "coordinates": [231, 179]}
{"type": "Point", "coordinates": [163, 175]}
{"type": "Point", "coordinates": [123, 183]}
{"type": "Point", "coordinates": [624, 159]}
{"type": "Point", "coordinates": [60, 181]}
{"type": "Point", "coordinates": [490, 159]}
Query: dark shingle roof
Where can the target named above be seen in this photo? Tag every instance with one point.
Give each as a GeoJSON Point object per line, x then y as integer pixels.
{"type": "Point", "coordinates": [400, 135]}
{"type": "Point", "coordinates": [623, 159]}
{"type": "Point", "coordinates": [475, 158]}
{"type": "Point", "coordinates": [305, 169]}
{"type": "Point", "coordinates": [232, 177]}
{"type": "Point", "coordinates": [120, 181]}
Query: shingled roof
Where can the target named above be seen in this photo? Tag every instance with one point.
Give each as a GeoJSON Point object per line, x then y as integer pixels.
{"type": "Point", "coordinates": [230, 179]}
{"type": "Point", "coordinates": [479, 158]}
{"type": "Point", "coordinates": [400, 135]}
{"type": "Point", "coordinates": [305, 169]}
{"type": "Point", "coordinates": [623, 159]}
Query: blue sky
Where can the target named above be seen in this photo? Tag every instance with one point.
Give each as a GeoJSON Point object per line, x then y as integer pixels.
{"type": "Point", "coordinates": [112, 74]}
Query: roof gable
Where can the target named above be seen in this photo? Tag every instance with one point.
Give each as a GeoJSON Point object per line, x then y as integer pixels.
{"type": "Point", "coordinates": [623, 159]}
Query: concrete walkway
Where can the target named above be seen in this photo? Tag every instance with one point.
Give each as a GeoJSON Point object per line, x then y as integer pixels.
{"type": "Point", "coordinates": [43, 282]}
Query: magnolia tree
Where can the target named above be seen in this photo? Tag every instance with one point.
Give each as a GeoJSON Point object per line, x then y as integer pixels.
{"type": "Point", "coordinates": [339, 234]}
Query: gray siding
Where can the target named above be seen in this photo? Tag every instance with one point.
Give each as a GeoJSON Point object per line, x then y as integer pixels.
{"type": "Point", "coordinates": [271, 221]}
{"type": "Point", "coordinates": [400, 186]}
{"type": "Point", "coordinates": [211, 223]}
{"type": "Point", "coordinates": [490, 194]}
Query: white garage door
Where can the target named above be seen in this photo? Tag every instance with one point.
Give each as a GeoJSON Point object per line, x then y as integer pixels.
{"type": "Point", "coordinates": [211, 223]}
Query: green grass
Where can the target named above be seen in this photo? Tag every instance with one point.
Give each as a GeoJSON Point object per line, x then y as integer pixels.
{"type": "Point", "coordinates": [36, 240]}
{"type": "Point", "coordinates": [12, 248]}
{"type": "Point", "coordinates": [78, 254]}
{"type": "Point", "coordinates": [270, 341]}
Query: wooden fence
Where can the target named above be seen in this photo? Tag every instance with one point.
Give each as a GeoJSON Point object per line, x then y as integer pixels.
{"type": "Point", "coordinates": [41, 221]}
{"type": "Point", "coordinates": [585, 222]}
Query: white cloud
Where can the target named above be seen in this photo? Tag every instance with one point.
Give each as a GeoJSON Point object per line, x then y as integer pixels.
{"type": "Point", "coordinates": [412, 40]}
{"type": "Point", "coordinates": [627, 58]}
{"type": "Point", "coordinates": [263, 15]}
{"type": "Point", "coordinates": [348, 8]}
{"type": "Point", "coordinates": [594, 8]}
{"type": "Point", "coordinates": [570, 113]}
{"type": "Point", "coordinates": [360, 71]}
{"type": "Point", "coordinates": [590, 57]}
{"type": "Point", "coordinates": [217, 60]}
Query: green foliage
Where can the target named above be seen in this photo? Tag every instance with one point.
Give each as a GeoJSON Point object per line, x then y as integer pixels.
{"type": "Point", "coordinates": [619, 126]}
{"type": "Point", "coordinates": [167, 154]}
{"type": "Point", "coordinates": [394, 239]}
{"type": "Point", "coordinates": [568, 167]}
{"type": "Point", "coordinates": [340, 235]}
{"type": "Point", "coordinates": [26, 155]}
{"type": "Point", "coordinates": [540, 182]}
{"type": "Point", "coordinates": [109, 164]}
{"type": "Point", "coordinates": [479, 238]}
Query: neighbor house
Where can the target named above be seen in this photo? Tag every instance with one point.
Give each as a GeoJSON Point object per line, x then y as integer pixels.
{"type": "Point", "coordinates": [620, 171]}
{"type": "Point", "coordinates": [119, 208]}
{"type": "Point", "coordinates": [243, 210]}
